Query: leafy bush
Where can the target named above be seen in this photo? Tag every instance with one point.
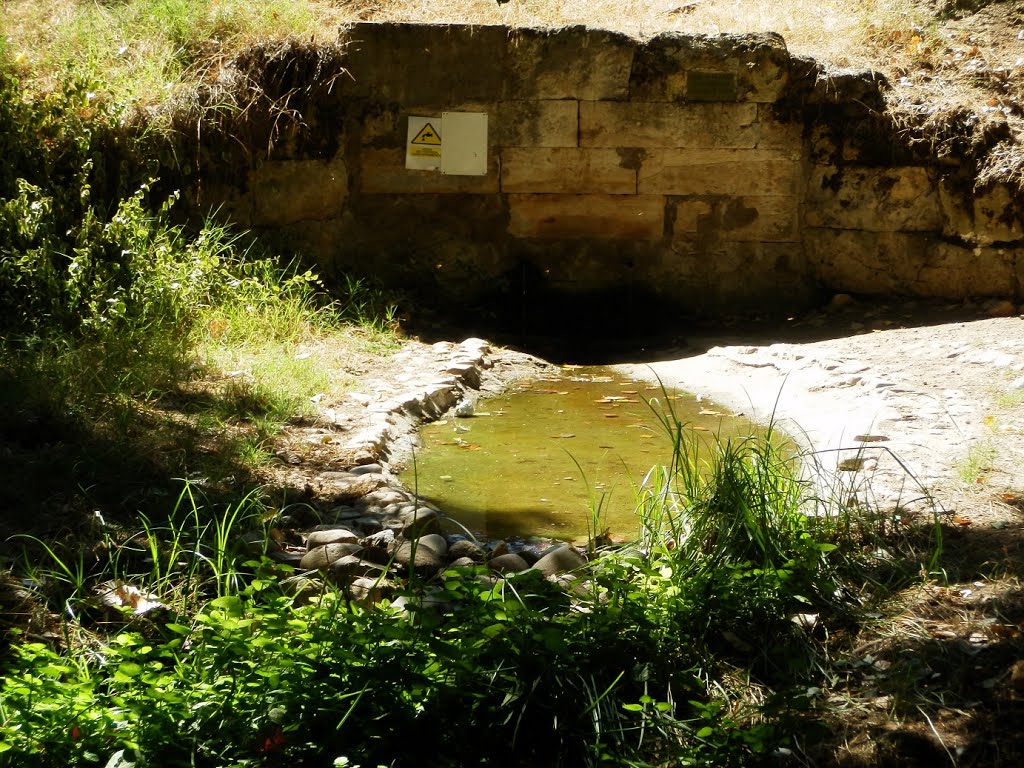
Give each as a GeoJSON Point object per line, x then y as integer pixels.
{"type": "Point", "coordinates": [94, 276]}
{"type": "Point", "coordinates": [509, 680]}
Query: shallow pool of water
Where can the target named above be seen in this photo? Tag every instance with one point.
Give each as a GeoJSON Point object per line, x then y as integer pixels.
{"type": "Point", "coordinates": [535, 460]}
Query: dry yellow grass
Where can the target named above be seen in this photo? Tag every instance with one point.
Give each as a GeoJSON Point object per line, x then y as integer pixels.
{"type": "Point", "coordinates": [841, 33]}
{"type": "Point", "coordinates": [829, 29]}
{"type": "Point", "coordinates": [140, 49]}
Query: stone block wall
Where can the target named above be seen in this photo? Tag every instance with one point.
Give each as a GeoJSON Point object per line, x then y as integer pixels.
{"type": "Point", "coordinates": [682, 174]}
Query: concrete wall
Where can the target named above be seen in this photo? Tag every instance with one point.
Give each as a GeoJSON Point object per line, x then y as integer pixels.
{"type": "Point", "coordinates": [704, 175]}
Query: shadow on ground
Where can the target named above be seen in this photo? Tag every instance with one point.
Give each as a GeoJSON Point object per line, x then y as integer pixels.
{"type": "Point", "coordinates": [605, 333]}
{"type": "Point", "coordinates": [60, 472]}
{"type": "Point", "coordinates": [942, 681]}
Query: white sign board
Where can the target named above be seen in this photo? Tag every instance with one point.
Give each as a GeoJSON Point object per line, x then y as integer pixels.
{"type": "Point", "coordinates": [465, 147]}
{"type": "Point", "coordinates": [423, 145]}
{"type": "Point", "coordinates": [463, 152]}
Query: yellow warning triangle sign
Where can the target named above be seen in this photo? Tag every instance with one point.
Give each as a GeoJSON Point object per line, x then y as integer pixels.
{"type": "Point", "coordinates": [427, 135]}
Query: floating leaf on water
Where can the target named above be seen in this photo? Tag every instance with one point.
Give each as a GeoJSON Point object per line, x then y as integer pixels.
{"type": "Point", "coordinates": [709, 412]}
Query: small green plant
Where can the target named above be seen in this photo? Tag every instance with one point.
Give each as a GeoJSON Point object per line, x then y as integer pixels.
{"type": "Point", "coordinates": [65, 567]}
{"type": "Point", "coordinates": [366, 304]}
{"type": "Point", "coordinates": [979, 461]}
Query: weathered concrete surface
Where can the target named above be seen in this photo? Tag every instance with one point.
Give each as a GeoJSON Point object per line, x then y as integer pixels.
{"type": "Point", "coordinates": [902, 199]}
{"type": "Point", "coordinates": [568, 170]}
{"type": "Point", "coordinates": [586, 216]}
{"type": "Point", "coordinates": [893, 263]}
{"type": "Point", "coordinates": [719, 172]}
{"type": "Point", "coordinates": [731, 177]}
{"type": "Point", "coordinates": [674, 67]}
{"type": "Point", "coordinates": [293, 191]}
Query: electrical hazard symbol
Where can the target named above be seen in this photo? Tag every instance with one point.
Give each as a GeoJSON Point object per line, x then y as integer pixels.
{"type": "Point", "coordinates": [423, 145]}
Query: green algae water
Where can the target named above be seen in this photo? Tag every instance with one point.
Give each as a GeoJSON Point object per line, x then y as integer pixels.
{"type": "Point", "coordinates": [536, 460]}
